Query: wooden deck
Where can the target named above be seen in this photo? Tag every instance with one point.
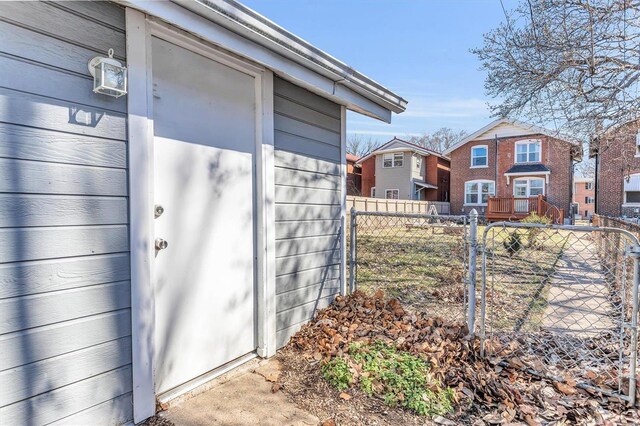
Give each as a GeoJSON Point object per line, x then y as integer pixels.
{"type": "Point", "coordinates": [516, 209]}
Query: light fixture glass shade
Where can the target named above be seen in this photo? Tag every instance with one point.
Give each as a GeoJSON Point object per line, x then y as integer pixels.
{"type": "Point", "coordinates": [110, 78]}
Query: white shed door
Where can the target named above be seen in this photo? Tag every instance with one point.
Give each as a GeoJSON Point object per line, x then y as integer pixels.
{"type": "Point", "coordinates": [205, 136]}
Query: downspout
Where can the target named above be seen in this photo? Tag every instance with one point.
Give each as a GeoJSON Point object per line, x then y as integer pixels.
{"type": "Point", "coordinates": [495, 179]}
{"type": "Point", "coordinates": [572, 167]}
{"type": "Point", "coordinates": [596, 184]}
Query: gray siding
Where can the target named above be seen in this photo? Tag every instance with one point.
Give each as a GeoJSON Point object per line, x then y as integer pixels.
{"type": "Point", "coordinates": [65, 322]}
{"type": "Point", "coordinates": [307, 177]}
{"type": "Point", "coordinates": [395, 177]}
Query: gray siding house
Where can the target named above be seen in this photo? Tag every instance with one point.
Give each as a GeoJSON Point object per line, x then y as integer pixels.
{"type": "Point", "coordinates": [153, 241]}
{"type": "Point", "coordinates": [402, 170]}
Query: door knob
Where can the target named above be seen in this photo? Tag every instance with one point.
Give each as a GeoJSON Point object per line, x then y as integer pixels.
{"type": "Point", "coordinates": [158, 210]}
{"type": "Point", "coordinates": [161, 244]}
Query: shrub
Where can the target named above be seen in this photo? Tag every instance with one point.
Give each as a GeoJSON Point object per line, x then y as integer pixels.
{"type": "Point", "coordinates": [534, 233]}
{"type": "Point", "coordinates": [513, 243]}
{"type": "Point", "coordinates": [397, 377]}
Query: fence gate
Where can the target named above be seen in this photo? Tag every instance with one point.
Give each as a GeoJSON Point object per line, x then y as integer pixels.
{"type": "Point", "coordinates": [420, 259]}
{"type": "Point", "coordinates": [563, 300]}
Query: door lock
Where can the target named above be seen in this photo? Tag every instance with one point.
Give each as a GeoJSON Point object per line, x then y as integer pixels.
{"type": "Point", "coordinates": [161, 244]}
{"type": "Point", "coordinates": [158, 210]}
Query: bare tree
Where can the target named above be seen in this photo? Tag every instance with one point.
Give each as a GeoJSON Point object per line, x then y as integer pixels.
{"type": "Point", "coordinates": [586, 168]}
{"type": "Point", "coordinates": [439, 140]}
{"type": "Point", "coordinates": [573, 63]}
{"type": "Point", "coordinates": [358, 145]}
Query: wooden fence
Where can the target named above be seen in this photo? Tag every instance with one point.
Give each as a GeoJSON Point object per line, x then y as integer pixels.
{"type": "Point", "coordinates": [368, 204]}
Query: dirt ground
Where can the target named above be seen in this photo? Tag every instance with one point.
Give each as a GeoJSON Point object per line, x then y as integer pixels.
{"type": "Point", "coordinates": [304, 384]}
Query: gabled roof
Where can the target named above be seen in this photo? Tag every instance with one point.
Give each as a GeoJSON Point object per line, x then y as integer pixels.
{"type": "Point", "coordinates": [527, 129]}
{"type": "Point", "coordinates": [402, 145]}
{"type": "Point", "coordinates": [351, 157]}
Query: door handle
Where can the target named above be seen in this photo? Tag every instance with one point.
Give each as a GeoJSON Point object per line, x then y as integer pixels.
{"type": "Point", "coordinates": [161, 244]}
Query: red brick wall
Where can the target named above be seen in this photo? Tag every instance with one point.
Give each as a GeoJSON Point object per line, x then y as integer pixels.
{"type": "Point", "coordinates": [461, 173]}
{"type": "Point", "coordinates": [616, 161]}
{"type": "Point", "coordinates": [555, 154]}
{"type": "Point", "coordinates": [368, 175]}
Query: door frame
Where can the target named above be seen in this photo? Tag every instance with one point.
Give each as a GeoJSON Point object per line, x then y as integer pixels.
{"type": "Point", "coordinates": [139, 30]}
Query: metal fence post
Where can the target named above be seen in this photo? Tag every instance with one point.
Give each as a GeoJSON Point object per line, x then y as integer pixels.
{"type": "Point", "coordinates": [635, 253]}
{"type": "Point", "coordinates": [352, 250]}
{"type": "Point", "coordinates": [473, 253]}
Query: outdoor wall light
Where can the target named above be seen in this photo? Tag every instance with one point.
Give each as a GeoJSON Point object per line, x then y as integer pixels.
{"type": "Point", "coordinates": [109, 76]}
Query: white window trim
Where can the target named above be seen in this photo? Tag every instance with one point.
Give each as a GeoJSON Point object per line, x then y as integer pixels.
{"type": "Point", "coordinates": [139, 31]}
{"type": "Point", "coordinates": [372, 193]}
{"type": "Point", "coordinates": [527, 142]}
{"type": "Point", "coordinates": [478, 181]}
{"type": "Point", "coordinates": [387, 191]}
{"type": "Point", "coordinates": [393, 160]}
{"type": "Point", "coordinates": [528, 179]}
{"type": "Point", "coordinates": [637, 155]}
{"type": "Point", "coordinates": [487, 156]}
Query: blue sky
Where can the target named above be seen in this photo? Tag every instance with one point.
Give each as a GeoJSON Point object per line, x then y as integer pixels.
{"type": "Point", "coordinates": [419, 49]}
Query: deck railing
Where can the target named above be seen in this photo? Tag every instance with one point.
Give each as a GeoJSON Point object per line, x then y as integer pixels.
{"type": "Point", "coordinates": [515, 208]}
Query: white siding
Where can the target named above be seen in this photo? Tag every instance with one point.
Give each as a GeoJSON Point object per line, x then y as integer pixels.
{"type": "Point", "coordinates": [64, 265]}
{"type": "Point", "coordinates": [307, 176]}
{"type": "Point", "coordinates": [505, 130]}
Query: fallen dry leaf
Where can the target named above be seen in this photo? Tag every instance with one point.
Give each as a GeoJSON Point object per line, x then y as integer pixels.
{"type": "Point", "coordinates": [345, 396]}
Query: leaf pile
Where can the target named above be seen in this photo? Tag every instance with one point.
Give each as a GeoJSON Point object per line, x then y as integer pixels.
{"type": "Point", "coordinates": [490, 390]}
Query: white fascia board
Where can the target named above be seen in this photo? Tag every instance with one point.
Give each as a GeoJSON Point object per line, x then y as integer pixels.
{"type": "Point", "coordinates": [200, 20]}
{"type": "Point", "coordinates": [548, 172]}
{"type": "Point", "coordinates": [411, 148]}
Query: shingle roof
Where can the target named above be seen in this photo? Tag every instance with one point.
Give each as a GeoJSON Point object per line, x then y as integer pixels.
{"type": "Point", "coordinates": [351, 157]}
{"type": "Point", "coordinates": [528, 168]}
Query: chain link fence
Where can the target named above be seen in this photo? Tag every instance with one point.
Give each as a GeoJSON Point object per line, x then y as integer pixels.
{"type": "Point", "coordinates": [564, 300]}
{"type": "Point", "coordinates": [419, 259]}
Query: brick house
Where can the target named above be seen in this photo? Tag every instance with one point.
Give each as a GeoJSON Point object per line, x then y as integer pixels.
{"type": "Point", "coordinates": [617, 158]}
{"type": "Point", "coordinates": [403, 170]}
{"type": "Point", "coordinates": [584, 194]}
{"type": "Point", "coordinates": [522, 167]}
{"type": "Point", "coordinates": [354, 176]}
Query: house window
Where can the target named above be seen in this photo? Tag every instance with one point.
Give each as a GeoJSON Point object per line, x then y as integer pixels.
{"type": "Point", "coordinates": [477, 192]}
{"type": "Point", "coordinates": [373, 192]}
{"type": "Point", "coordinates": [588, 186]}
{"type": "Point", "coordinates": [588, 200]}
{"type": "Point", "coordinates": [392, 194]}
{"type": "Point", "coordinates": [529, 187]}
{"type": "Point", "coordinates": [419, 162]}
{"type": "Point", "coordinates": [479, 156]}
{"type": "Point", "coordinates": [638, 144]}
{"type": "Point", "coordinates": [632, 197]}
{"type": "Point", "coordinates": [528, 151]}
{"type": "Point", "coordinates": [632, 190]}
{"type": "Point", "coordinates": [393, 160]}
